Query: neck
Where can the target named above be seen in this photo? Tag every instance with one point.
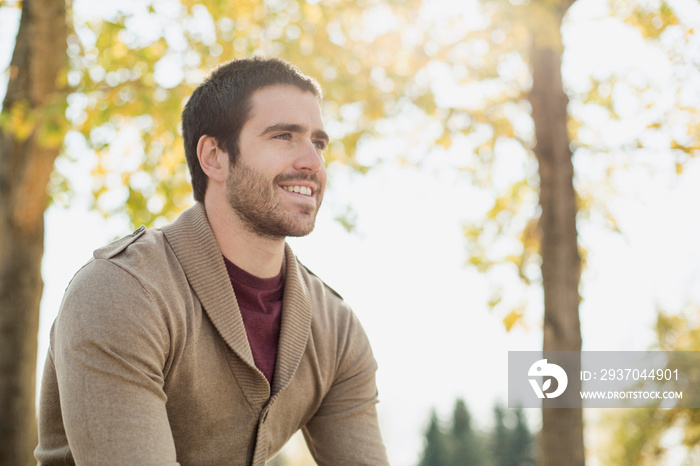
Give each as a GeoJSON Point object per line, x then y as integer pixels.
{"type": "Point", "coordinates": [257, 255]}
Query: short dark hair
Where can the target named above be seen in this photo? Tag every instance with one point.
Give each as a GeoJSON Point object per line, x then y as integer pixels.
{"type": "Point", "coordinates": [220, 106]}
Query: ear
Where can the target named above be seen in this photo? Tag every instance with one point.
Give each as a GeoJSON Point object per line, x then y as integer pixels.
{"type": "Point", "coordinates": [212, 159]}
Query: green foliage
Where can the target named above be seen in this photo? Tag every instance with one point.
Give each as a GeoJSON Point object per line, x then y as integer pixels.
{"type": "Point", "coordinates": [437, 447]}
{"type": "Point", "coordinates": [635, 437]}
{"type": "Point", "coordinates": [467, 447]}
{"type": "Point", "coordinates": [521, 446]}
{"type": "Point", "coordinates": [510, 443]}
{"type": "Point", "coordinates": [638, 435]}
{"type": "Point", "coordinates": [650, 18]}
{"type": "Point", "coordinates": [347, 219]}
{"type": "Point", "coordinates": [666, 30]}
{"type": "Point", "coordinates": [47, 122]}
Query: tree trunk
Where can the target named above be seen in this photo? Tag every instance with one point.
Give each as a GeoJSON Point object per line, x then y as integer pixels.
{"type": "Point", "coordinates": [562, 429]}
{"type": "Point", "coordinates": [28, 148]}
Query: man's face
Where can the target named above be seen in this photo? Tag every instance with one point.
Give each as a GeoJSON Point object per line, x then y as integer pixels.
{"type": "Point", "coordinates": [276, 185]}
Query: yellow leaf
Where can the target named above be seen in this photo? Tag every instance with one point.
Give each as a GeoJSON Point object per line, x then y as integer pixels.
{"type": "Point", "coordinates": [511, 319]}
{"type": "Point", "coordinates": [445, 140]}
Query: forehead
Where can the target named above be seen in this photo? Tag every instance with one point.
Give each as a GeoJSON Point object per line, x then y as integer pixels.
{"type": "Point", "coordinates": [285, 104]}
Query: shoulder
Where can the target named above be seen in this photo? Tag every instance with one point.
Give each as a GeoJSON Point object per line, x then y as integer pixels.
{"type": "Point", "coordinates": [124, 291]}
{"type": "Point", "coordinates": [144, 254]}
{"type": "Point", "coordinates": [128, 273]}
{"type": "Point", "coordinates": [317, 282]}
{"type": "Point", "coordinates": [332, 315]}
{"type": "Point", "coordinates": [115, 247]}
{"type": "Point", "coordinates": [338, 335]}
{"type": "Point", "coordinates": [140, 247]}
{"type": "Point", "coordinates": [116, 269]}
{"type": "Point", "coordinates": [327, 305]}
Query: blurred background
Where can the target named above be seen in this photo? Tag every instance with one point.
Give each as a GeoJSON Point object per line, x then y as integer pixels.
{"type": "Point", "coordinates": [503, 175]}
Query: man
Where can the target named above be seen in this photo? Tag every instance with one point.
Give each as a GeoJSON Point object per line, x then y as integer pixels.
{"type": "Point", "coordinates": [207, 342]}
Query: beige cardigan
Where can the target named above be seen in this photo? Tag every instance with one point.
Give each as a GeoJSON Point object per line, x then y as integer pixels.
{"type": "Point", "coordinates": [149, 363]}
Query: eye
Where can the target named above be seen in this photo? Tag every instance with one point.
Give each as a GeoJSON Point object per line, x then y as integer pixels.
{"type": "Point", "coordinates": [321, 144]}
{"type": "Point", "coordinates": [284, 136]}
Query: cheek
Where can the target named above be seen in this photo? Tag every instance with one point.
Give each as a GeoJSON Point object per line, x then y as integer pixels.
{"type": "Point", "coordinates": [322, 175]}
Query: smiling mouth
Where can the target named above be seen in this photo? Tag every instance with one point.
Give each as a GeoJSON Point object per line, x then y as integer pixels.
{"type": "Point", "coordinates": [303, 190]}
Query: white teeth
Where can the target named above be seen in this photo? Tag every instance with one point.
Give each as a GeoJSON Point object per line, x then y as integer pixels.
{"type": "Point", "coordinates": [305, 190]}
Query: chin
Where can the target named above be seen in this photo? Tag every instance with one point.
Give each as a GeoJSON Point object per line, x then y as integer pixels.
{"type": "Point", "coordinates": [286, 226]}
{"type": "Point", "coordinates": [300, 233]}
{"type": "Point", "coordinates": [300, 230]}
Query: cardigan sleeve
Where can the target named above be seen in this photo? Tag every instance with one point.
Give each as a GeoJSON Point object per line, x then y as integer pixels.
{"type": "Point", "coordinates": [110, 345]}
{"type": "Point", "coordinates": [345, 429]}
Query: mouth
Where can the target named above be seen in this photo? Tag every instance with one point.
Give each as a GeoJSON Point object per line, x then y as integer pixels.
{"type": "Point", "coordinates": [302, 190]}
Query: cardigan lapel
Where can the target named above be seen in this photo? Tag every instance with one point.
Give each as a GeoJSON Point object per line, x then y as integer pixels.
{"type": "Point", "coordinates": [195, 246]}
{"type": "Point", "coordinates": [295, 325]}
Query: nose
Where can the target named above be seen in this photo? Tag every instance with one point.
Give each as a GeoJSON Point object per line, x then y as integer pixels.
{"type": "Point", "coordinates": [309, 159]}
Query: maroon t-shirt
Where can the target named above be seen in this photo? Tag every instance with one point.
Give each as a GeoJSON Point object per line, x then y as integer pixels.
{"type": "Point", "coordinates": [260, 302]}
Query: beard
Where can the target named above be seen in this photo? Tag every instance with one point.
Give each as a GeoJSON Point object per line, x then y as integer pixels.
{"type": "Point", "coordinates": [256, 201]}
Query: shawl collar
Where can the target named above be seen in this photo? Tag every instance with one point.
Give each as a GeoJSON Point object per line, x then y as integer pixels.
{"type": "Point", "coordinates": [195, 246]}
{"type": "Point", "coordinates": [295, 325]}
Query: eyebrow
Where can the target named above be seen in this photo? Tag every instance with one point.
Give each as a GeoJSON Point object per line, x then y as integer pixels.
{"type": "Point", "coordinates": [294, 128]}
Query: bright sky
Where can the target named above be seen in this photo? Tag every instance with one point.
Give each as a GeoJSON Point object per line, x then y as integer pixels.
{"type": "Point", "coordinates": [403, 269]}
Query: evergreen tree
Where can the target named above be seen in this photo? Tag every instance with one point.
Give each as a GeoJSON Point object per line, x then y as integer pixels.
{"type": "Point", "coordinates": [466, 445]}
{"type": "Point", "coordinates": [520, 446]}
{"type": "Point", "coordinates": [500, 438]}
{"type": "Point", "coordinates": [510, 443]}
{"type": "Point", "coordinates": [511, 446]}
{"type": "Point", "coordinates": [437, 448]}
